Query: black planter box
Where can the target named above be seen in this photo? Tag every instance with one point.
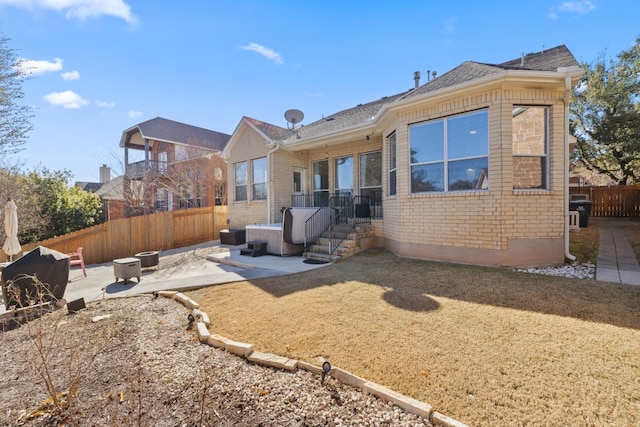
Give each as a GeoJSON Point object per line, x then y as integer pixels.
{"type": "Point", "coordinates": [234, 236]}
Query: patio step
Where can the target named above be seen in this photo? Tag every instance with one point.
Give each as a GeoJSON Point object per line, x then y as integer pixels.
{"type": "Point", "coordinates": [351, 244]}
{"type": "Point", "coordinates": [321, 257]}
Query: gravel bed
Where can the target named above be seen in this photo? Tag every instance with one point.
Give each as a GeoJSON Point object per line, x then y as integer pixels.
{"type": "Point", "coordinates": [574, 270]}
{"type": "Point", "coordinates": [134, 361]}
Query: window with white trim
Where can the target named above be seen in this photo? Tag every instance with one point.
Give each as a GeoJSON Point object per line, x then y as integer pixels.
{"type": "Point", "coordinates": [241, 182]}
{"type": "Point", "coordinates": [450, 154]}
{"type": "Point", "coordinates": [530, 145]}
{"type": "Point", "coordinates": [259, 178]}
{"type": "Point", "coordinates": [391, 139]}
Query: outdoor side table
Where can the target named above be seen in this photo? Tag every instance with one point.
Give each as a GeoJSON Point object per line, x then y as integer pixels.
{"type": "Point", "coordinates": [127, 268]}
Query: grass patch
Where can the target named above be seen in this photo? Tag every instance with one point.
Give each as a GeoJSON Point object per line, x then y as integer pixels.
{"type": "Point", "coordinates": [584, 243]}
{"type": "Point", "coordinates": [487, 346]}
{"type": "Point", "coordinates": [631, 227]}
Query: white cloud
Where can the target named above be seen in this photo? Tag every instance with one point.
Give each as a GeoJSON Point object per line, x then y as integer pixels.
{"type": "Point", "coordinates": [450, 26]}
{"type": "Point", "coordinates": [266, 52]}
{"type": "Point", "coordinates": [67, 99]}
{"type": "Point", "coordinates": [583, 6]}
{"type": "Point", "coordinates": [80, 9]}
{"type": "Point", "coordinates": [71, 75]}
{"type": "Point", "coordinates": [579, 6]}
{"type": "Point", "coordinates": [32, 66]}
{"type": "Point", "coordinates": [105, 104]}
{"type": "Point", "coordinates": [135, 114]}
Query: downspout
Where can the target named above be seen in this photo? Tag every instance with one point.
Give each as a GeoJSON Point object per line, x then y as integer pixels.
{"type": "Point", "coordinates": [274, 147]}
{"type": "Point", "coordinates": [567, 99]}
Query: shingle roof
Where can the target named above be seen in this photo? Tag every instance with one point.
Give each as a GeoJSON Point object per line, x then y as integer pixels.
{"type": "Point", "coordinates": [113, 189]}
{"type": "Point", "coordinates": [547, 60]}
{"type": "Point", "coordinates": [91, 187]}
{"type": "Point", "coordinates": [346, 118]}
{"type": "Point", "coordinates": [168, 130]}
{"type": "Point", "coordinates": [272, 131]}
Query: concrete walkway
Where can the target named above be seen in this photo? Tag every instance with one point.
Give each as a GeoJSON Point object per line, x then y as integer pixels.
{"type": "Point", "coordinates": [226, 265]}
{"type": "Point", "coordinates": [616, 260]}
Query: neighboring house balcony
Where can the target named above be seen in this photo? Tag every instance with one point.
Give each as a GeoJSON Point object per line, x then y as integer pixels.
{"type": "Point", "coordinates": [146, 168]}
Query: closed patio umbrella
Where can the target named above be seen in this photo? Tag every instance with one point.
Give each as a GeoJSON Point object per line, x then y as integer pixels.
{"type": "Point", "coordinates": [11, 246]}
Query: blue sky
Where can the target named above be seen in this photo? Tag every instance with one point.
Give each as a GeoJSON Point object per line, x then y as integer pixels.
{"type": "Point", "coordinates": [101, 66]}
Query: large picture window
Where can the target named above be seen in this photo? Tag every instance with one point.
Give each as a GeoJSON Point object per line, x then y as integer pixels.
{"type": "Point", "coordinates": [450, 154]}
{"type": "Point", "coordinates": [259, 177]}
{"type": "Point", "coordinates": [530, 135]}
{"type": "Point", "coordinates": [241, 181]}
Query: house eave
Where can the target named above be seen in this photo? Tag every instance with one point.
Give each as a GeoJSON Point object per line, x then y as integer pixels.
{"type": "Point", "coordinates": [370, 126]}
{"type": "Point", "coordinates": [226, 152]}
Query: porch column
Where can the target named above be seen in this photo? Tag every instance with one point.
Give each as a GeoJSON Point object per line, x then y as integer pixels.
{"type": "Point", "coordinates": [146, 154]}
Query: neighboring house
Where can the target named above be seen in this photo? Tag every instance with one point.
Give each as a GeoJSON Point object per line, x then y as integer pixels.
{"type": "Point", "coordinates": [113, 202]}
{"type": "Point", "coordinates": [471, 167]}
{"type": "Point", "coordinates": [110, 192]}
{"type": "Point", "coordinates": [171, 165]}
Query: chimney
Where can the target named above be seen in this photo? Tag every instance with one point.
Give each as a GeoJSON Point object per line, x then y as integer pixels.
{"type": "Point", "coordinates": [105, 174]}
{"type": "Point", "coordinates": [416, 78]}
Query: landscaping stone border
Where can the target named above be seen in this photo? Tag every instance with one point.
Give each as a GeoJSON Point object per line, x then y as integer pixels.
{"type": "Point", "coordinates": [247, 351]}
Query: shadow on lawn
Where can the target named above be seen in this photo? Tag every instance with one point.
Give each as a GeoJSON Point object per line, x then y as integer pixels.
{"type": "Point", "coordinates": [413, 283]}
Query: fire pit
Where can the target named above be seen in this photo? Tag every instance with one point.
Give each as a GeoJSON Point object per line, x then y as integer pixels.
{"type": "Point", "coordinates": [148, 259]}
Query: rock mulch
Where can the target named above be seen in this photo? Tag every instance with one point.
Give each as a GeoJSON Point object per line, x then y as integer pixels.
{"type": "Point", "coordinates": [575, 270]}
{"type": "Point", "coordinates": [135, 361]}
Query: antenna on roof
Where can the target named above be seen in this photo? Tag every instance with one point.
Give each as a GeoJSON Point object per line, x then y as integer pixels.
{"type": "Point", "coordinates": [293, 117]}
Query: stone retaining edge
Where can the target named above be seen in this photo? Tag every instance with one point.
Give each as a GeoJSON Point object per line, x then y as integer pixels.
{"type": "Point", "coordinates": [245, 350]}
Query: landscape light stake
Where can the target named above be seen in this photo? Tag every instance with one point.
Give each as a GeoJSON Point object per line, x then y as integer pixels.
{"type": "Point", "coordinates": [326, 368]}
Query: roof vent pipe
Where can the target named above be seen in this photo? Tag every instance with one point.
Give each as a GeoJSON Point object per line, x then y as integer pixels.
{"type": "Point", "coordinates": [416, 78]}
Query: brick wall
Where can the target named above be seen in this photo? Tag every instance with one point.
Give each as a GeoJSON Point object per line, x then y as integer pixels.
{"type": "Point", "coordinates": [500, 226]}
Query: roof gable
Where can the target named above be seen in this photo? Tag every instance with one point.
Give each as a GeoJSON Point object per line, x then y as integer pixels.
{"type": "Point", "coordinates": [161, 129]}
{"type": "Point", "coordinates": [271, 131]}
{"type": "Point", "coordinates": [112, 190]}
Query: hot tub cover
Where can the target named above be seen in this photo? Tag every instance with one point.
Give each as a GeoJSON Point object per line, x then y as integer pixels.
{"type": "Point", "coordinates": [46, 265]}
{"type": "Point", "coordinates": [294, 220]}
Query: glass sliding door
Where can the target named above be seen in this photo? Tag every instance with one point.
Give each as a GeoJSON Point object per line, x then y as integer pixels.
{"type": "Point", "coordinates": [371, 181]}
{"type": "Point", "coordinates": [320, 182]}
{"type": "Point", "coordinates": [344, 176]}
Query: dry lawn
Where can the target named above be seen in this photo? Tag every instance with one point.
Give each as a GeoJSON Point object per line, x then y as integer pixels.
{"type": "Point", "coordinates": [486, 346]}
{"type": "Point", "coordinates": [584, 243]}
{"type": "Point", "coordinates": [631, 227]}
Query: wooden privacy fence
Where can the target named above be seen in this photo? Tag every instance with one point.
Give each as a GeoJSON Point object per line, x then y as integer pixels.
{"type": "Point", "coordinates": [125, 237]}
{"type": "Point", "coordinates": [616, 201]}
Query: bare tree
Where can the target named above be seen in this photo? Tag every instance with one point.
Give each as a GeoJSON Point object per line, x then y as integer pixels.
{"type": "Point", "coordinates": [193, 177]}
{"type": "Point", "coordinates": [14, 117]}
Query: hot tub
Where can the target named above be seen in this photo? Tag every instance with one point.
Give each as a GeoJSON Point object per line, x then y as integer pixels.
{"type": "Point", "coordinates": [272, 234]}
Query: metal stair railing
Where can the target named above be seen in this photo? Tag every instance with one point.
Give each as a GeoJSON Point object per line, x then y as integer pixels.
{"type": "Point", "coordinates": [345, 212]}
{"type": "Point", "coordinates": [317, 224]}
